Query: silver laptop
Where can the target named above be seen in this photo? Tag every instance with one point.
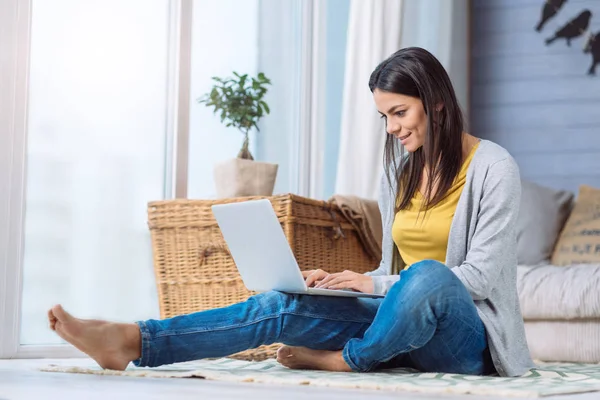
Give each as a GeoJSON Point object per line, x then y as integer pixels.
{"type": "Point", "coordinates": [261, 251]}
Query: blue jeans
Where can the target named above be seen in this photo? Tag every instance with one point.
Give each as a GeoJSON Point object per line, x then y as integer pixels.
{"type": "Point", "coordinates": [427, 321]}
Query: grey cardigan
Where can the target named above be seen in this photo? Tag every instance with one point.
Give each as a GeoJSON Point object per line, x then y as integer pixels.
{"type": "Point", "coordinates": [482, 252]}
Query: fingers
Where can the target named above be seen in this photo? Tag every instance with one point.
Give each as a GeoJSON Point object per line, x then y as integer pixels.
{"type": "Point", "coordinates": [323, 280]}
{"type": "Point", "coordinates": [309, 277]}
{"type": "Point", "coordinates": [315, 276]}
{"type": "Point", "coordinates": [346, 280]}
{"type": "Point", "coordinates": [345, 285]}
{"type": "Point", "coordinates": [347, 275]}
{"type": "Point", "coordinates": [305, 274]}
{"type": "Point", "coordinates": [356, 282]}
{"type": "Point", "coordinates": [327, 279]}
{"type": "Point", "coordinates": [341, 279]}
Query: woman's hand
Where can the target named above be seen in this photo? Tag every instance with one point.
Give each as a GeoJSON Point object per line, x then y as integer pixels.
{"type": "Point", "coordinates": [314, 276]}
{"type": "Point", "coordinates": [341, 280]}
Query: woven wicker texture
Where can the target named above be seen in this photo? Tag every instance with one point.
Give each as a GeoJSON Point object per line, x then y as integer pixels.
{"type": "Point", "coordinates": [194, 270]}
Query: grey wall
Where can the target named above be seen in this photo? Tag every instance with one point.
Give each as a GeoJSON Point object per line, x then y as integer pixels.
{"type": "Point", "coordinates": [533, 99]}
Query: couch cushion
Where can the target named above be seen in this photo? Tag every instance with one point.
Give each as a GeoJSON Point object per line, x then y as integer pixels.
{"type": "Point", "coordinates": [542, 215]}
{"type": "Point", "coordinates": [549, 292]}
{"type": "Point", "coordinates": [564, 341]}
{"type": "Point", "coordinates": [579, 242]}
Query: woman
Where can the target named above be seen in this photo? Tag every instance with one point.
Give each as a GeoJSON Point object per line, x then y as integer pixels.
{"type": "Point", "coordinates": [449, 229]}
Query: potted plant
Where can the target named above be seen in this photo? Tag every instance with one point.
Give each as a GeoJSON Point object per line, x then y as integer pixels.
{"type": "Point", "coordinates": [239, 101]}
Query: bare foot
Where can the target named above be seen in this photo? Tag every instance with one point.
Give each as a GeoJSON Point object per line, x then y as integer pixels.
{"type": "Point", "coordinates": [303, 358]}
{"type": "Point", "coordinates": [111, 345]}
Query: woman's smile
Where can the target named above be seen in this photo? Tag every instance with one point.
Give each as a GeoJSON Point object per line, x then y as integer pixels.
{"type": "Point", "coordinates": [403, 138]}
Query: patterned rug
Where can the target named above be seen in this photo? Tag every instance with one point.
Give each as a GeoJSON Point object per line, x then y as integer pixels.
{"type": "Point", "coordinates": [547, 380]}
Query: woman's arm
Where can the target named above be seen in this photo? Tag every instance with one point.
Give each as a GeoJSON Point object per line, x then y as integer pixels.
{"type": "Point", "coordinates": [382, 284]}
{"type": "Point", "coordinates": [382, 280]}
{"type": "Point", "coordinates": [379, 281]}
{"type": "Point", "coordinates": [494, 242]}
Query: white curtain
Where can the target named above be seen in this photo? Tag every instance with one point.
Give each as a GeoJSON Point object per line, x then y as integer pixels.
{"type": "Point", "coordinates": [374, 32]}
{"type": "Point", "coordinates": [441, 27]}
{"type": "Point", "coordinates": [376, 29]}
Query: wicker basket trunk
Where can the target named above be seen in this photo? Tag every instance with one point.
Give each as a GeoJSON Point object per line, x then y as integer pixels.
{"type": "Point", "coordinates": [194, 270]}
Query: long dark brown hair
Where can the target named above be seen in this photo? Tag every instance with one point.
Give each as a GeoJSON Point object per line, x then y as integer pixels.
{"type": "Point", "coordinates": [415, 72]}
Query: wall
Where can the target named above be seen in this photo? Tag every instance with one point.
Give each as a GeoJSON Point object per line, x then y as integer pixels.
{"type": "Point", "coordinates": [536, 100]}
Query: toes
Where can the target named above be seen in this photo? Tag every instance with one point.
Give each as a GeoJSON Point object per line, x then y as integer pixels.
{"type": "Point", "coordinates": [60, 314]}
{"type": "Point", "coordinates": [284, 352]}
{"type": "Point", "coordinates": [285, 356]}
{"type": "Point", "coordinates": [51, 320]}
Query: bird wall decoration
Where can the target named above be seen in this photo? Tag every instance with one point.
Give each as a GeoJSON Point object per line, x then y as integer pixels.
{"type": "Point", "coordinates": [573, 29]}
{"type": "Point", "coordinates": [593, 47]}
{"type": "Point", "coordinates": [549, 10]}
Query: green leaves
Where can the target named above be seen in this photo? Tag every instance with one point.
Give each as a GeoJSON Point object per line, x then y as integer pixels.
{"type": "Point", "coordinates": [265, 106]}
{"type": "Point", "coordinates": [239, 100]}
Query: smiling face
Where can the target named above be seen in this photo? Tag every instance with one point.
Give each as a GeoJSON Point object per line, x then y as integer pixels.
{"type": "Point", "coordinates": [405, 118]}
{"type": "Point", "coordinates": [427, 98]}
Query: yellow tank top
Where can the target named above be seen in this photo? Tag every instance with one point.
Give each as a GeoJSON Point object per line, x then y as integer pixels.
{"type": "Point", "coordinates": [419, 238]}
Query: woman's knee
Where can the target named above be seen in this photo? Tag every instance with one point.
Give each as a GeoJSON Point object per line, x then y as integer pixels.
{"type": "Point", "coordinates": [424, 276]}
{"type": "Point", "coordinates": [428, 265]}
{"type": "Point", "coordinates": [273, 301]}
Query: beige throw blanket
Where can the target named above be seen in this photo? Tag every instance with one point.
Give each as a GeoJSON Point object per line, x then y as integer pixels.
{"type": "Point", "coordinates": [364, 215]}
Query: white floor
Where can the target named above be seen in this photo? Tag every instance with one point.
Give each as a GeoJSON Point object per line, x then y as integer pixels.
{"type": "Point", "coordinates": [20, 379]}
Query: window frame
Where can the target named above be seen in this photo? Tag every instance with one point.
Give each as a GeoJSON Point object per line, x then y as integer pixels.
{"type": "Point", "coordinates": [15, 17]}
{"type": "Point", "coordinates": [312, 124]}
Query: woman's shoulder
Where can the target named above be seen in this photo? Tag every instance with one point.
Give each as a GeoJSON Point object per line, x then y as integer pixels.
{"type": "Point", "coordinates": [490, 153]}
{"type": "Point", "coordinates": [493, 163]}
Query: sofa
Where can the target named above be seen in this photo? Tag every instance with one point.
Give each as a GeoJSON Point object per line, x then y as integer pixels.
{"type": "Point", "coordinates": [558, 275]}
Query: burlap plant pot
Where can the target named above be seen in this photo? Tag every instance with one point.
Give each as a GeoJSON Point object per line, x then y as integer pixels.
{"type": "Point", "coordinates": [240, 178]}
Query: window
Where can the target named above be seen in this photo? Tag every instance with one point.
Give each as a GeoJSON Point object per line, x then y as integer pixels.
{"type": "Point", "coordinates": [92, 99]}
{"type": "Point", "coordinates": [95, 155]}
{"type": "Point", "coordinates": [224, 39]}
